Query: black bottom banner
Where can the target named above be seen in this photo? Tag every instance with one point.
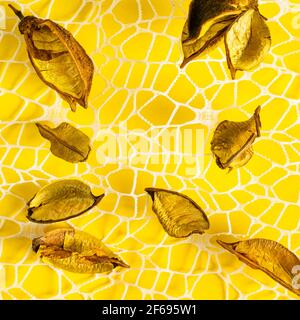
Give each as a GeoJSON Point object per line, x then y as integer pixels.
{"type": "Point", "coordinates": [127, 309]}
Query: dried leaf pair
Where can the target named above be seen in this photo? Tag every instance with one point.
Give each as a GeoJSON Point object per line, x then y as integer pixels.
{"type": "Point", "coordinates": [232, 141]}
{"type": "Point", "coordinates": [270, 257]}
{"type": "Point", "coordinates": [67, 142]}
{"type": "Point", "coordinates": [247, 36]}
{"type": "Point", "coordinates": [76, 251]}
{"type": "Point", "coordinates": [179, 215]}
{"type": "Point", "coordinates": [61, 200]}
{"type": "Point", "coordinates": [58, 59]}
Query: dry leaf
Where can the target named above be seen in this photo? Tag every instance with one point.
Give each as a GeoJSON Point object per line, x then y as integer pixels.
{"type": "Point", "coordinates": [203, 14]}
{"type": "Point", "coordinates": [76, 251]}
{"type": "Point", "coordinates": [247, 42]}
{"type": "Point", "coordinates": [207, 23]}
{"type": "Point", "coordinates": [61, 200]}
{"type": "Point", "coordinates": [179, 215]}
{"type": "Point", "coordinates": [232, 141]}
{"type": "Point", "coordinates": [58, 59]}
{"type": "Point", "coordinates": [215, 33]}
{"type": "Point", "coordinates": [268, 256]}
{"type": "Point", "coordinates": [247, 37]}
{"type": "Point", "coordinates": [67, 142]}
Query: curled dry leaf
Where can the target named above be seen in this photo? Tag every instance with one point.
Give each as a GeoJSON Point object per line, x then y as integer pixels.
{"type": "Point", "coordinates": [204, 13]}
{"type": "Point", "coordinates": [76, 251]}
{"type": "Point", "coordinates": [58, 59]}
{"type": "Point", "coordinates": [232, 141]}
{"type": "Point", "coordinates": [67, 142]}
{"type": "Point", "coordinates": [268, 256]}
{"type": "Point", "coordinates": [206, 24]}
{"type": "Point", "coordinates": [215, 33]}
{"type": "Point", "coordinates": [247, 37]}
{"type": "Point", "coordinates": [179, 215]}
{"type": "Point", "coordinates": [61, 200]}
{"type": "Point", "coordinates": [247, 42]}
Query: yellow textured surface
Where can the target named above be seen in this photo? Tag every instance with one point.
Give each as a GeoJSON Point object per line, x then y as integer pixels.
{"type": "Point", "coordinates": [138, 83]}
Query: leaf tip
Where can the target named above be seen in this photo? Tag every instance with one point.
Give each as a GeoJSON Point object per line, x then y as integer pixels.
{"type": "Point", "coordinates": [17, 12]}
{"type": "Point", "coordinates": [233, 73]}
{"type": "Point", "coordinates": [151, 192]}
{"type": "Point", "coordinates": [265, 18]}
{"type": "Point", "coordinates": [73, 107]}
{"type": "Point", "coordinates": [41, 127]}
{"type": "Point", "coordinates": [256, 117]}
{"type": "Point", "coordinates": [184, 63]}
{"type": "Point", "coordinates": [99, 198]}
{"type": "Point", "coordinates": [257, 110]}
{"type": "Point", "coordinates": [225, 245]}
{"type": "Point", "coordinates": [38, 125]}
{"type": "Point", "coordinates": [36, 244]}
{"type": "Point", "coordinates": [219, 163]}
{"type": "Point", "coordinates": [229, 246]}
{"type": "Point", "coordinates": [29, 214]}
{"type": "Point", "coordinates": [123, 264]}
{"type": "Point", "coordinates": [83, 102]}
{"type": "Point", "coordinates": [220, 242]}
{"type": "Point", "coordinates": [229, 170]}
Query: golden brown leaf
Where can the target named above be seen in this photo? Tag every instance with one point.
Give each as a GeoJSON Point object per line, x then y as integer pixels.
{"type": "Point", "coordinates": [232, 141]}
{"type": "Point", "coordinates": [67, 142]}
{"type": "Point", "coordinates": [192, 49]}
{"type": "Point", "coordinates": [179, 215]}
{"type": "Point", "coordinates": [207, 23]}
{"type": "Point", "coordinates": [58, 59]}
{"type": "Point", "coordinates": [247, 42]}
{"type": "Point", "coordinates": [61, 200]}
{"type": "Point", "coordinates": [268, 256]}
{"type": "Point", "coordinates": [76, 251]}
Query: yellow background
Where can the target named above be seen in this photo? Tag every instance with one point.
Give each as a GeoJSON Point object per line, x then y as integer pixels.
{"type": "Point", "coordinates": [135, 45]}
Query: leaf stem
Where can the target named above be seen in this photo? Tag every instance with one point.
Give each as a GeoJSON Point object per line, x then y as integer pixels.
{"type": "Point", "coordinates": [18, 13]}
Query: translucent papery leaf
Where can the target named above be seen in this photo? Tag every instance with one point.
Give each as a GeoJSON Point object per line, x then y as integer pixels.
{"type": "Point", "coordinates": [179, 215]}
{"type": "Point", "coordinates": [61, 200]}
{"type": "Point", "coordinates": [58, 59]}
{"type": "Point", "coordinates": [203, 13]}
{"type": "Point", "coordinates": [247, 42]}
{"type": "Point", "coordinates": [76, 251]}
{"type": "Point", "coordinates": [270, 257]}
{"type": "Point", "coordinates": [232, 141]}
{"type": "Point", "coordinates": [67, 142]}
{"type": "Point", "coordinates": [192, 49]}
{"type": "Point", "coordinates": [207, 22]}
